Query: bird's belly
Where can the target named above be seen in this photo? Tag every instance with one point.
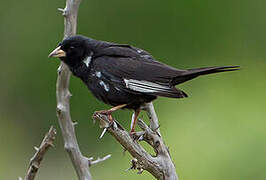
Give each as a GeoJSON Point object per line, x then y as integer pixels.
{"type": "Point", "coordinates": [113, 95]}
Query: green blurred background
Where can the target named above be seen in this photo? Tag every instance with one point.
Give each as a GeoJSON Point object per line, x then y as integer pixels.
{"type": "Point", "coordinates": [217, 133]}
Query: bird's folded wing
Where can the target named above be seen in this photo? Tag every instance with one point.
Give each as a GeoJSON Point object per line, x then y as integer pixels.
{"type": "Point", "coordinates": [139, 76]}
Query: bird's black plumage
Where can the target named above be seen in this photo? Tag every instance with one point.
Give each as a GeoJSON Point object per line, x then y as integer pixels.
{"type": "Point", "coordinates": [122, 74]}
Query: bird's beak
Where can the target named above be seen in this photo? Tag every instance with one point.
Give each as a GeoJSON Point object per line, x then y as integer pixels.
{"type": "Point", "coordinates": [58, 52]}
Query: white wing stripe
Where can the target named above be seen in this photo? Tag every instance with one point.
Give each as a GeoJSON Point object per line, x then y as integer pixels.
{"type": "Point", "coordinates": [145, 86]}
{"type": "Point", "coordinates": [139, 89]}
{"type": "Point", "coordinates": [149, 87]}
{"type": "Point", "coordinates": [146, 83]}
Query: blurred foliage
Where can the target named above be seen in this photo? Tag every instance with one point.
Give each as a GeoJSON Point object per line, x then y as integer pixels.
{"type": "Point", "coordinates": [216, 133]}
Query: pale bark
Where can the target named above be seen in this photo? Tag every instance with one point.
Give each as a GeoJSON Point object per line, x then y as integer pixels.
{"type": "Point", "coordinates": [80, 162]}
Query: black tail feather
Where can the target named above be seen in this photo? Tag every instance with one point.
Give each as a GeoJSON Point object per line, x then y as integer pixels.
{"type": "Point", "coordinates": [176, 93]}
{"type": "Point", "coordinates": [193, 73]}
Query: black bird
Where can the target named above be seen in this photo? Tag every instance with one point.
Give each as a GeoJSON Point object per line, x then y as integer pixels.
{"type": "Point", "coordinates": [124, 76]}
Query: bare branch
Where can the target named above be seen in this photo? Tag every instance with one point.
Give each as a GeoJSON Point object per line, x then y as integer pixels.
{"type": "Point", "coordinates": [35, 161]}
{"type": "Point", "coordinates": [160, 166]}
{"type": "Point", "coordinates": [80, 162]}
{"type": "Point", "coordinates": [154, 123]}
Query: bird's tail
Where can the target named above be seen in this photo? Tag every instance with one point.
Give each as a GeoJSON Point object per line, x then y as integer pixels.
{"type": "Point", "coordinates": [193, 73]}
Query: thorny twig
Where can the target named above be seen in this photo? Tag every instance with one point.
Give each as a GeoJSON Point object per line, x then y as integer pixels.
{"type": "Point", "coordinates": [161, 165]}
{"type": "Point", "coordinates": [35, 161]}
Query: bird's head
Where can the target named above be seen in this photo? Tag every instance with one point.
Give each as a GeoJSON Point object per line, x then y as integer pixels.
{"type": "Point", "coordinates": [72, 50]}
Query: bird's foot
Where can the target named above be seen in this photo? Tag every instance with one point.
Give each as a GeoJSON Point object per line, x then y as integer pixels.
{"type": "Point", "coordinates": [108, 119]}
{"type": "Point", "coordinates": [105, 122]}
{"type": "Point", "coordinates": [108, 113]}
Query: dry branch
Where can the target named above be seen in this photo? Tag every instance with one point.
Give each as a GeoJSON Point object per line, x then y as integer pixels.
{"type": "Point", "coordinates": [80, 162]}
{"type": "Point", "coordinates": [35, 161]}
{"type": "Point", "coordinates": [161, 165]}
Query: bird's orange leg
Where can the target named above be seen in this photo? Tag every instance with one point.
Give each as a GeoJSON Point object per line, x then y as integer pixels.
{"type": "Point", "coordinates": [110, 111]}
{"type": "Point", "coordinates": [134, 120]}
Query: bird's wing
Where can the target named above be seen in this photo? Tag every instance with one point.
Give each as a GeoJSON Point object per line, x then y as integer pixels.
{"type": "Point", "coordinates": [138, 63]}
{"type": "Point", "coordinates": [138, 71]}
{"type": "Point", "coordinates": [137, 74]}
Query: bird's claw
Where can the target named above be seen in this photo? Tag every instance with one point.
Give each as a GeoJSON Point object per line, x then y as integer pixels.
{"type": "Point", "coordinates": [105, 123]}
{"type": "Point", "coordinates": [107, 113]}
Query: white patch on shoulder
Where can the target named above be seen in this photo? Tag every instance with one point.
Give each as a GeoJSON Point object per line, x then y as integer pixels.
{"type": "Point", "coordinates": [87, 61]}
{"type": "Point", "coordinates": [145, 86]}
{"type": "Point", "coordinates": [105, 86]}
{"type": "Point", "coordinates": [98, 74]}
